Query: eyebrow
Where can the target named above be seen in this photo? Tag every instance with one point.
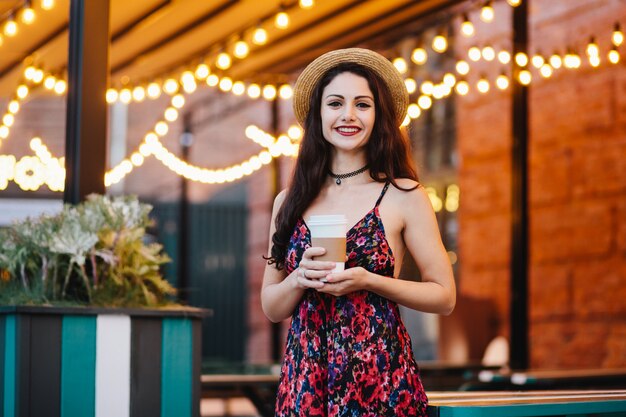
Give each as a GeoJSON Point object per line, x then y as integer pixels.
{"type": "Point", "coordinates": [342, 97]}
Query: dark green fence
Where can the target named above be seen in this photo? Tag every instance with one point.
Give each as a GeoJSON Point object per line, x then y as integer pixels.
{"type": "Point", "coordinates": [217, 270]}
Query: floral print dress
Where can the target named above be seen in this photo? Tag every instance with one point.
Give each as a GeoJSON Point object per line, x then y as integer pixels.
{"type": "Point", "coordinates": [349, 356]}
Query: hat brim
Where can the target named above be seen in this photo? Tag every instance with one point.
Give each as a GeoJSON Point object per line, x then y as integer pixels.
{"type": "Point", "coordinates": [313, 73]}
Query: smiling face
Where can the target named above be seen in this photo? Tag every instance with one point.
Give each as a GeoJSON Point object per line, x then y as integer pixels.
{"type": "Point", "coordinates": [347, 112]}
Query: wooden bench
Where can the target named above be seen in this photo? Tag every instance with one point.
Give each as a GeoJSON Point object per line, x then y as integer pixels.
{"type": "Point", "coordinates": [527, 403]}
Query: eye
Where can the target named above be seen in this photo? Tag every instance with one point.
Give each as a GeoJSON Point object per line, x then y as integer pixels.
{"type": "Point", "coordinates": [364, 105]}
{"type": "Point", "coordinates": [334, 104]}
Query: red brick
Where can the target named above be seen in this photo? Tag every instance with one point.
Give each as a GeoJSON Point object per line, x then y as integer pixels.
{"type": "Point", "coordinates": [550, 291]}
{"type": "Point", "coordinates": [487, 186]}
{"type": "Point", "coordinates": [550, 175]}
{"type": "Point", "coordinates": [491, 284]}
{"type": "Point", "coordinates": [486, 128]}
{"type": "Point", "coordinates": [600, 169]}
{"type": "Point", "coordinates": [578, 230]}
{"type": "Point", "coordinates": [599, 288]}
{"type": "Point", "coordinates": [568, 344]}
{"type": "Point", "coordinates": [616, 346]}
{"type": "Point", "coordinates": [621, 225]}
{"type": "Point", "coordinates": [485, 241]}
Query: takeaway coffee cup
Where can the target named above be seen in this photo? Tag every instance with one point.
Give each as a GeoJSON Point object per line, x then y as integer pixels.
{"type": "Point", "coordinates": [329, 232]}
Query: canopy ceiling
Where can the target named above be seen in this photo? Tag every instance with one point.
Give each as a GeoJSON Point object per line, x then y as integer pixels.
{"type": "Point", "coordinates": [151, 38]}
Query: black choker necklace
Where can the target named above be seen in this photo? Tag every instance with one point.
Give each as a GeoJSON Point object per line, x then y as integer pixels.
{"type": "Point", "coordinates": [339, 177]}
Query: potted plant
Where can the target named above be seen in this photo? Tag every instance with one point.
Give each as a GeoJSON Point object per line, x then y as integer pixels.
{"type": "Point", "coordinates": [88, 325]}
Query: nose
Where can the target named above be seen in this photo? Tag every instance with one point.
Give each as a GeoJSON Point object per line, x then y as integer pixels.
{"type": "Point", "coordinates": [348, 113]}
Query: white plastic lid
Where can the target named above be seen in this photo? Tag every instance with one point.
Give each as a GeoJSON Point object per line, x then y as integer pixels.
{"type": "Point", "coordinates": [327, 219]}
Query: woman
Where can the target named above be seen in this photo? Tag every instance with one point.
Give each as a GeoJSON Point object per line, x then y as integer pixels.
{"type": "Point", "coordinates": [348, 352]}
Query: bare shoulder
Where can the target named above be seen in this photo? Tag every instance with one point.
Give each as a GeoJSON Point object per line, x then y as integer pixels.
{"type": "Point", "coordinates": [280, 198]}
{"type": "Point", "coordinates": [410, 196]}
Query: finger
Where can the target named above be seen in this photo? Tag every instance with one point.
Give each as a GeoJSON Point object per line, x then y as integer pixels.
{"type": "Point", "coordinates": [313, 251]}
{"type": "Point", "coordinates": [310, 283]}
{"type": "Point", "coordinates": [315, 274]}
{"type": "Point", "coordinates": [316, 265]}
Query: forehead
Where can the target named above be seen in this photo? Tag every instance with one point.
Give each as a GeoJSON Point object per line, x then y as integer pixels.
{"type": "Point", "coordinates": [348, 84]}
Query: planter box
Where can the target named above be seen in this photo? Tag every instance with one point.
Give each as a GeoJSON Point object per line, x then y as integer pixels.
{"type": "Point", "coordinates": [101, 362]}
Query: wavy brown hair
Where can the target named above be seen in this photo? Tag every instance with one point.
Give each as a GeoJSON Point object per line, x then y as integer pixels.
{"type": "Point", "coordinates": [387, 153]}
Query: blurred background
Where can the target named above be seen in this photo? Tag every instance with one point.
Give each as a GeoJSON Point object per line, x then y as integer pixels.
{"type": "Point", "coordinates": [523, 156]}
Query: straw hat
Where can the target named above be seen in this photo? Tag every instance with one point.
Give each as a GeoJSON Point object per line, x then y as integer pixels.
{"type": "Point", "coordinates": [312, 74]}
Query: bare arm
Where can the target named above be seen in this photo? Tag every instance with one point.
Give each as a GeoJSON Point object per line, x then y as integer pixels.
{"type": "Point", "coordinates": [436, 293]}
{"type": "Point", "coordinates": [280, 292]}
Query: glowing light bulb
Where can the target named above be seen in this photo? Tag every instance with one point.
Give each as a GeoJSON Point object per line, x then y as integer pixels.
{"type": "Point", "coordinates": [482, 85]}
{"type": "Point", "coordinates": [294, 132]}
{"type": "Point", "coordinates": [259, 37]}
{"type": "Point", "coordinates": [226, 84]}
{"type": "Point", "coordinates": [111, 95]}
{"type": "Point", "coordinates": [281, 21]}
{"type": "Point", "coordinates": [488, 53]}
{"type": "Point", "coordinates": [419, 56]}
{"type": "Point", "coordinates": [440, 44]}
{"type": "Point", "coordinates": [212, 80]}
{"type": "Point", "coordinates": [47, 4]}
{"type": "Point", "coordinates": [556, 61]}
{"type": "Point", "coordinates": [306, 4]}
{"type": "Point", "coordinates": [22, 91]}
{"type": "Point", "coordinates": [241, 49]}
{"type": "Point", "coordinates": [521, 59]}
{"type": "Point", "coordinates": [614, 56]}
{"type": "Point", "coordinates": [161, 128]}
{"type": "Point", "coordinates": [49, 82]}
{"type": "Point", "coordinates": [414, 111]}
{"type": "Point", "coordinates": [170, 114]}
{"type": "Point", "coordinates": [27, 15]}
{"type": "Point", "coordinates": [29, 72]}
{"type": "Point", "coordinates": [38, 76]}
{"type": "Point", "coordinates": [125, 96]}
{"type": "Point", "coordinates": [269, 92]}
{"type": "Point", "coordinates": [427, 88]}
{"type": "Point", "coordinates": [546, 71]}
{"type": "Point", "coordinates": [467, 27]}
{"type": "Point", "coordinates": [474, 53]}
{"type": "Point", "coordinates": [449, 80]}
{"type": "Point", "coordinates": [139, 94]}
{"type": "Point", "coordinates": [285, 91]}
{"type": "Point", "coordinates": [592, 48]}
{"type": "Point", "coordinates": [13, 107]}
{"type": "Point", "coordinates": [170, 86]}
{"type": "Point", "coordinates": [594, 60]}
{"type": "Point", "coordinates": [425, 102]}
{"type": "Point", "coordinates": [202, 71]}
{"type": "Point", "coordinates": [514, 3]}
{"type": "Point", "coordinates": [153, 90]}
{"type": "Point", "coordinates": [618, 36]}
{"type": "Point", "coordinates": [10, 28]}
{"type": "Point", "coordinates": [400, 65]}
{"type": "Point", "coordinates": [462, 67]}
{"type": "Point", "coordinates": [411, 85]}
{"type": "Point", "coordinates": [538, 61]}
{"type": "Point", "coordinates": [223, 61]}
{"type": "Point", "coordinates": [178, 101]}
{"type": "Point", "coordinates": [487, 13]}
{"type": "Point", "coordinates": [238, 88]}
{"type": "Point", "coordinates": [504, 57]}
{"type": "Point", "coordinates": [502, 82]}
{"type": "Point", "coordinates": [8, 119]}
{"type": "Point", "coordinates": [524, 77]}
{"type": "Point", "coordinates": [254, 91]}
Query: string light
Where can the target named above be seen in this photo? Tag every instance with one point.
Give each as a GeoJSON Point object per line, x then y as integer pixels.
{"type": "Point", "coordinates": [474, 53]}
{"type": "Point", "coordinates": [462, 67]}
{"type": "Point", "coordinates": [514, 3]}
{"type": "Point", "coordinates": [306, 4]}
{"type": "Point", "coordinates": [525, 77]}
{"type": "Point", "coordinates": [538, 61]}
{"type": "Point", "coordinates": [400, 65]}
{"type": "Point", "coordinates": [487, 13]}
{"type": "Point", "coordinates": [504, 57]}
{"type": "Point", "coordinates": [281, 21]}
{"type": "Point", "coordinates": [419, 55]}
{"type": "Point", "coordinates": [238, 88]}
{"type": "Point", "coordinates": [27, 15]}
{"type": "Point", "coordinates": [223, 61]}
{"type": "Point", "coordinates": [241, 50]}
{"type": "Point", "coordinates": [10, 28]}
{"type": "Point", "coordinates": [269, 92]}
{"type": "Point", "coordinates": [254, 91]}
{"type": "Point", "coordinates": [259, 36]}
{"type": "Point", "coordinates": [414, 111]}
{"type": "Point", "coordinates": [482, 85]}
{"type": "Point", "coordinates": [410, 85]}
{"type": "Point", "coordinates": [555, 61]}
{"type": "Point", "coordinates": [427, 87]}
{"type": "Point", "coordinates": [467, 27]}
{"type": "Point", "coordinates": [502, 82]}
{"type": "Point", "coordinates": [592, 48]}
{"type": "Point", "coordinates": [285, 91]}
{"type": "Point", "coordinates": [47, 4]}
{"type": "Point", "coordinates": [440, 43]}
{"type": "Point", "coordinates": [488, 53]}
{"type": "Point", "coordinates": [614, 56]}
{"type": "Point", "coordinates": [618, 36]}
{"type": "Point", "coordinates": [425, 102]}
{"type": "Point", "coordinates": [203, 71]}
{"type": "Point", "coordinates": [546, 71]}
{"type": "Point", "coordinates": [226, 84]}
{"type": "Point", "coordinates": [521, 59]}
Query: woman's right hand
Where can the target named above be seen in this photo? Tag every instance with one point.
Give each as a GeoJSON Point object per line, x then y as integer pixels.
{"type": "Point", "coordinates": [310, 272]}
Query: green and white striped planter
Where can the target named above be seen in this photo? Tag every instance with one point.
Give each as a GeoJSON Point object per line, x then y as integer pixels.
{"type": "Point", "coordinates": [83, 362]}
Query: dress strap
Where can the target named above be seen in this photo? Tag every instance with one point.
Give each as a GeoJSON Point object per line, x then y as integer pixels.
{"type": "Point", "coordinates": [382, 194]}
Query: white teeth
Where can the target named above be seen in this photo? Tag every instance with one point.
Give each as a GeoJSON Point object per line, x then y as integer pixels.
{"type": "Point", "coordinates": [348, 129]}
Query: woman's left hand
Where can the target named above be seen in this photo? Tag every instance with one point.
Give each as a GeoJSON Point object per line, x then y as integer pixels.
{"type": "Point", "coordinates": [345, 282]}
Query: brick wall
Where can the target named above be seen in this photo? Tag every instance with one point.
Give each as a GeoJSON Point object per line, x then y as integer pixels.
{"type": "Point", "coordinates": [577, 283]}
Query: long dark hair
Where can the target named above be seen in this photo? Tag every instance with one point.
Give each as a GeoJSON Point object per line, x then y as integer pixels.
{"type": "Point", "coordinates": [387, 153]}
